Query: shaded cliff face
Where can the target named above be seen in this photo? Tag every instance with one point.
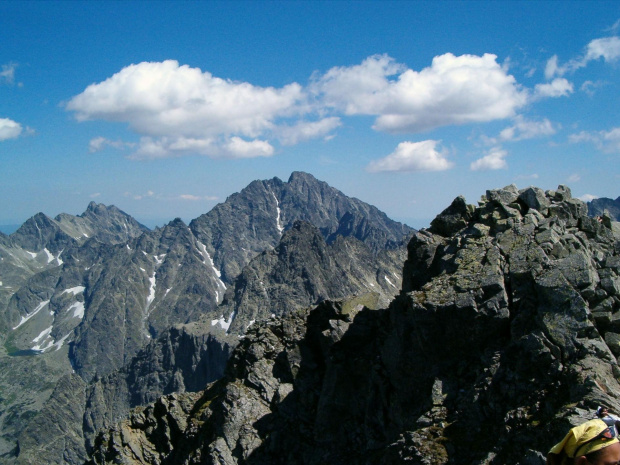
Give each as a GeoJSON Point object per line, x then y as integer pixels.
{"type": "Point", "coordinates": [505, 334]}
{"type": "Point", "coordinates": [302, 270]}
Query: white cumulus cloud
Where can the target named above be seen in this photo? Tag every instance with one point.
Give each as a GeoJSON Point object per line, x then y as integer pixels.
{"type": "Point", "coordinates": [453, 90]}
{"type": "Point", "coordinates": [9, 129]}
{"type": "Point", "coordinates": [493, 160]}
{"type": "Point", "coordinates": [178, 109]}
{"type": "Point", "coordinates": [413, 156]}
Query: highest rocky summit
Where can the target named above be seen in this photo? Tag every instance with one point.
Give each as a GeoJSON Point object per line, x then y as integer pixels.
{"type": "Point", "coordinates": [506, 333]}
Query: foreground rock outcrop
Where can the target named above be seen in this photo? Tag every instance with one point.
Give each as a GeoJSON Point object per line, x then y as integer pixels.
{"type": "Point", "coordinates": [506, 333]}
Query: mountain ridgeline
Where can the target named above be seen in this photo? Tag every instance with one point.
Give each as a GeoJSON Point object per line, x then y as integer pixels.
{"type": "Point", "coordinates": [104, 315]}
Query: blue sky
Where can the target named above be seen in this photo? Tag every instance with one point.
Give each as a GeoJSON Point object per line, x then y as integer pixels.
{"type": "Point", "coordinates": [166, 108]}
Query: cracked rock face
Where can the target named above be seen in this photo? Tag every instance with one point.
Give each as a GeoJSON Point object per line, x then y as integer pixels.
{"type": "Point", "coordinates": [504, 336]}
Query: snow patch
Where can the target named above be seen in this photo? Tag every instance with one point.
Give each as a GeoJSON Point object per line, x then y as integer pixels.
{"type": "Point", "coordinates": [278, 222]}
{"type": "Point", "coordinates": [151, 296]}
{"type": "Point", "coordinates": [207, 260]}
{"type": "Point", "coordinates": [390, 282]}
{"type": "Point", "coordinates": [159, 258]}
{"type": "Point", "coordinates": [33, 313]}
{"type": "Point", "coordinates": [32, 254]}
{"type": "Point", "coordinates": [127, 245]}
{"type": "Point", "coordinates": [45, 344]}
{"type": "Point", "coordinates": [60, 343]}
{"type": "Point", "coordinates": [50, 257]}
{"type": "Point", "coordinates": [42, 347]}
{"type": "Point", "coordinates": [225, 324]}
{"type": "Point", "coordinates": [78, 310]}
{"type": "Point", "coordinates": [43, 335]}
{"type": "Point", "coordinates": [74, 290]}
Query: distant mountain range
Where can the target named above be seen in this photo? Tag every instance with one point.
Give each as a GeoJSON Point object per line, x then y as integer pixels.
{"type": "Point", "coordinates": [102, 317]}
{"type": "Point", "coordinates": [101, 296]}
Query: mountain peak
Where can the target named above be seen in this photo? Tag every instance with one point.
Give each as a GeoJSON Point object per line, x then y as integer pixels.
{"type": "Point", "coordinates": [301, 176]}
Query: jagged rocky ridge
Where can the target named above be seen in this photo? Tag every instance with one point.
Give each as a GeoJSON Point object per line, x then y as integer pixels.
{"type": "Point", "coordinates": [505, 334]}
{"type": "Point", "coordinates": [300, 271]}
{"type": "Point", "coordinates": [176, 273]}
{"type": "Point", "coordinates": [143, 286]}
{"type": "Point", "coordinates": [33, 261]}
{"type": "Point", "coordinates": [40, 243]}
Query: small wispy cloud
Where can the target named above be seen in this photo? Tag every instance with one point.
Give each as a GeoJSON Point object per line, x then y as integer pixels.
{"type": "Point", "coordinates": [528, 176]}
{"type": "Point", "coordinates": [525, 129]}
{"type": "Point", "coordinates": [559, 87]}
{"type": "Point", "coordinates": [7, 73]}
{"type": "Point", "coordinates": [605, 141]}
{"type": "Point", "coordinates": [306, 130]}
{"type": "Point", "coordinates": [100, 143]}
{"type": "Point", "coordinates": [495, 159]}
{"type": "Point", "coordinates": [413, 156]}
{"type": "Point", "coordinates": [146, 195]}
{"type": "Point", "coordinates": [607, 48]}
{"type": "Point", "coordinates": [590, 87]}
{"type": "Point", "coordinates": [192, 197]}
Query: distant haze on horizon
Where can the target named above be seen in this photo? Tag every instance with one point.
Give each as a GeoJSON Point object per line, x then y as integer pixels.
{"type": "Point", "coordinates": [164, 109]}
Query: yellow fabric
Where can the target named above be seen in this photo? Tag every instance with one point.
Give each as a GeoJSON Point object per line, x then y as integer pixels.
{"type": "Point", "coordinates": [577, 439]}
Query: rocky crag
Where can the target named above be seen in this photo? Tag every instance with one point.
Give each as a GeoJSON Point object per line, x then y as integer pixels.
{"type": "Point", "coordinates": [602, 206]}
{"type": "Point", "coordinates": [105, 309]}
{"type": "Point", "coordinates": [505, 334]}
